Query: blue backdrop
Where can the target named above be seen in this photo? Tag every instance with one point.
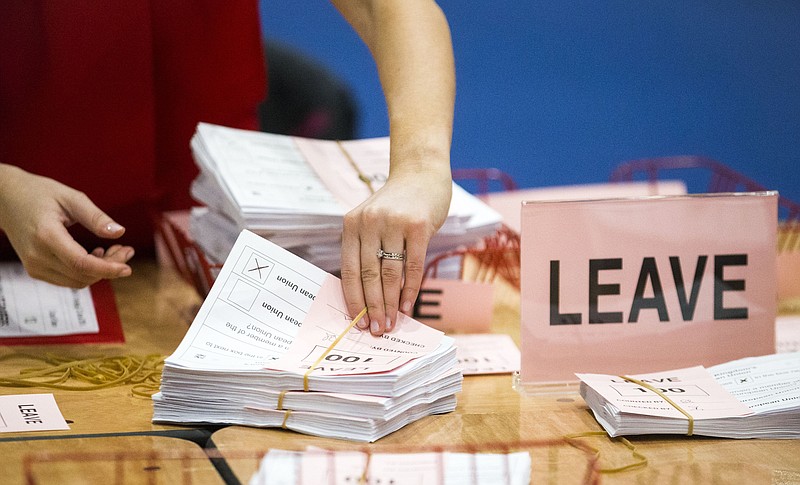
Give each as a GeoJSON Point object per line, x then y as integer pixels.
{"type": "Point", "coordinates": [557, 92]}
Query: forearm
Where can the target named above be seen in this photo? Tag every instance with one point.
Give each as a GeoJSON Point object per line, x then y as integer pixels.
{"type": "Point", "coordinates": [410, 42]}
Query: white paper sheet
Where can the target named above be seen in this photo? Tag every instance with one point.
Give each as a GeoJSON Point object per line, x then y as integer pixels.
{"type": "Point", "coordinates": [30, 307]}
{"type": "Point", "coordinates": [764, 384]}
{"type": "Point", "coordinates": [253, 311]}
{"type": "Point", "coordinates": [30, 412]}
{"type": "Point", "coordinates": [486, 353]}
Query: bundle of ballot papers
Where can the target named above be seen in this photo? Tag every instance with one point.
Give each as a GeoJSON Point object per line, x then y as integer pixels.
{"type": "Point", "coordinates": [295, 192]}
{"type": "Point", "coordinates": [754, 397]}
{"type": "Point", "coordinates": [273, 346]}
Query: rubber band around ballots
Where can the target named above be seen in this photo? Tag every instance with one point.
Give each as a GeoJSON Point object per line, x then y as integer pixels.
{"type": "Point", "coordinates": [331, 347]}
{"type": "Point", "coordinates": [279, 406]}
{"type": "Point", "coordinates": [364, 478]}
{"type": "Point", "coordinates": [664, 397]}
{"type": "Point", "coordinates": [286, 418]}
{"type": "Point", "coordinates": [353, 164]}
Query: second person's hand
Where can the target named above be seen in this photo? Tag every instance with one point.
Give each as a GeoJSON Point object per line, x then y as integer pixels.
{"type": "Point", "coordinates": [35, 213]}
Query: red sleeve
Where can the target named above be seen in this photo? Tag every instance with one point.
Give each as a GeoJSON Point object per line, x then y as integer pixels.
{"type": "Point", "coordinates": [104, 95]}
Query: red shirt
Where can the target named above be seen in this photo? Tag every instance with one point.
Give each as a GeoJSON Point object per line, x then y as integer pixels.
{"type": "Point", "coordinates": [104, 95]}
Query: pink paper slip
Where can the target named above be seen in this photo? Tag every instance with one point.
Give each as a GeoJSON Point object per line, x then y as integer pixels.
{"type": "Point", "coordinates": [645, 284]}
{"type": "Point", "coordinates": [358, 351]}
{"type": "Point", "coordinates": [455, 305]}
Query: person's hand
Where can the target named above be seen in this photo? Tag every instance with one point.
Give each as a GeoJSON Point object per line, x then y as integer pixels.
{"type": "Point", "coordinates": [401, 217]}
{"type": "Point", "coordinates": [410, 42]}
{"type": "Point", "coordinates": [35, 213]}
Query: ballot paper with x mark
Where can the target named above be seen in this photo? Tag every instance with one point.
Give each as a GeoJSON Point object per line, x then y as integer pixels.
{"type": "Point", "coordinates": [358, 351]}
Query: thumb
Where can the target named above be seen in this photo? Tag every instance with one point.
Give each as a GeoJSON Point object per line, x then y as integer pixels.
{"type": "Point", "coordinates": [83, 211]}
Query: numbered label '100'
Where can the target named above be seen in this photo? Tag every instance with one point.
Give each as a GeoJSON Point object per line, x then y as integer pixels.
{"type": "Point", "coordinates": [350, 359]}
{"type": "Point", "coordinates": [683, 390]}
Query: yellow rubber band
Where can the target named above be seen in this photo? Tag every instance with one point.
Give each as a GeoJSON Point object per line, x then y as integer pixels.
{"type": "Point", "coordinates": [280, 400]}
{"type": "Point", "coordinates": [364, 478]}
{"type": "Point", "coordinates": [664, 397]}
{"type": "Point", "coordinates": [64, 373]}
{"type": "Point", "coordinates": [353, 164]}
{"type": "Point", "coordinates": [286, 418]}
{"type": "Point", "coordinates": [641, 459]}
{"type": "Point", "coordinates": [335, 342]}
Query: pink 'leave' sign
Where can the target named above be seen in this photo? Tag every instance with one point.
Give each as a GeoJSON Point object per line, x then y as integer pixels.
{"type": "Point", "coordinates": [635, 285]}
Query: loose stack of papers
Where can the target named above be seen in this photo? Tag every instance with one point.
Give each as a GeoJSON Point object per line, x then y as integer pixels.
{"type": "Point", "coordinates": [755, 397]}
{"type": "Point", "coordinates": [264, 350]}
{"type": "Point", "coordinates": [314, 466]}
{"type": "Point", "coordinates": [295, 191]}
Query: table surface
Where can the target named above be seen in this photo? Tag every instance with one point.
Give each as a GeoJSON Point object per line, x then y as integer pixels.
{"type": "Point", "coordinates": [125, 460]}
{"type": "Point", "coordinates": [156, 307]}
{"type": "Point", "coordinates": [492, 416]}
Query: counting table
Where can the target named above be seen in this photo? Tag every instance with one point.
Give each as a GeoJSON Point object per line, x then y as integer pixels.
{"type": "Point", "coordinates": [112, 438]}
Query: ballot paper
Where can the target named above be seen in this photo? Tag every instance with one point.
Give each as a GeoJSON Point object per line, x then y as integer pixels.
{"type": "Point", "coordinates": [486, 353]}
{"type": "Point", "coordinates": [755, 397]}
{"type": "Point", "coordinates": [359, 352]}
{"type": "Point", "coordinates": [295, 191]}
{"type": "Point", "coordinates": [260, 353]}
{"type": "Point", "coordinates": [253, 311]}
{"type": "Point", "coordinates": [315, 466]}
{"type": "Point", "coordinates": [30, 307]}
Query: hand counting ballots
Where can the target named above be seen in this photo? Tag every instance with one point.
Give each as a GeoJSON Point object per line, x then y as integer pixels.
{"type": "Point", "coordinates": [261, 352]}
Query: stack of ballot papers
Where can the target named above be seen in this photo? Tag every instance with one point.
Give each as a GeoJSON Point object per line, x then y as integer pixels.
{"type": "Point", "coordinates": [295, 192]}
{"type": "Point", "coordinates": [754, 397]}
{"type": "Point", "coordinates": [272, 346]}
{"type": "Point", "coordinates": [316, 466]}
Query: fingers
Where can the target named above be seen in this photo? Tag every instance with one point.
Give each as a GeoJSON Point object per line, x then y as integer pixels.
{"type": "Point", "coordinates": [58, 259]}
{"type": "Point", "coordinates": [118, 253]}
{"type": "Point", "coordinates": [85, 213]}
{"type": "Point", "coordinates": [351, 270]}
{"type": "Point", "coordinates": [366, 279]}
{"type": "Point", "coordinates": [35, 213]}
{"type": "Point", "coordinates": [87, 267]}
{"type": "Point", "coordinates": [414, 269]}
{"type": "Point", "coordinates": [380, 283]}
{"type": "Point", "coordinates": [75, 263]}
{"type": "Point", "coordinates": [391, 271]}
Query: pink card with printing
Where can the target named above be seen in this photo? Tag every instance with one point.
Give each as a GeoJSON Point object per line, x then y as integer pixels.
{"type": "Point", "coordinates": [635, 285]}
{"type": "Point", "coordinates": [457, 306]}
